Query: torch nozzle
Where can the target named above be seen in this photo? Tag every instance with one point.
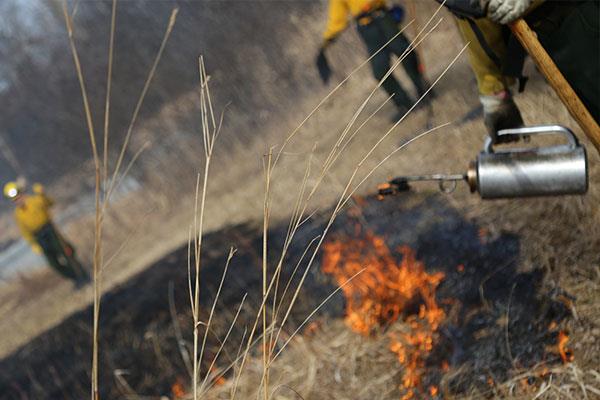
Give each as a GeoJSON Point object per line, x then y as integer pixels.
{"type": "Point", "coordinates": [446, 183]}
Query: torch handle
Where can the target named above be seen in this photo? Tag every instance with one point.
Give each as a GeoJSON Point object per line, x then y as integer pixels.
{"type": "Point", "coordinates": [556, 79]}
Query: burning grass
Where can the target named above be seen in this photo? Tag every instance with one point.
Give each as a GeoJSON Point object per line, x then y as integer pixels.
{"type": "Point", "coordinates": [466, 357]}
{"type": "Point", "coordinates": [385, 291]}
{"type": "Point", "coordinates": [461, 320]}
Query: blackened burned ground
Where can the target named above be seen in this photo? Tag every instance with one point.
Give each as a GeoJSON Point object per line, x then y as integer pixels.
{"type": "Point", "coordinates": [139, 350]}
{"type": "Point", "coordinates": [498, 317]}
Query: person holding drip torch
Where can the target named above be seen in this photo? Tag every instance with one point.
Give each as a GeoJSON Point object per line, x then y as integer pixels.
{"type": "Point", "coordinates": [32, 214]}
{"type": "Point", "coordinates": [568, 30]}
{"type": "Point", "coordinates": [377, 23]}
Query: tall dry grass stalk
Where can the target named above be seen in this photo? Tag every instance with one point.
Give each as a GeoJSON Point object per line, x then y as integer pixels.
{"type": "Point", "coordinates": [97, 258]}
{"type": "Point", "coordinates": [101, 166]}
{"type": "Point", "coordinates": [111, 46]}
{"type": "Point", "coordinates": [210, 131]}
{"type": "Point", "coordinates": [266, 211]}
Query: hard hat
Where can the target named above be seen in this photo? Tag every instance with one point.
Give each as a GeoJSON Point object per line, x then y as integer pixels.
{"type": "Point", "coordinates": [11, 190]}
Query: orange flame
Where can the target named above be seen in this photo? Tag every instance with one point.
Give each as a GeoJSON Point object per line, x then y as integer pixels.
{"type": "Point", "coordinates": [177, 389]}
{"type": "Point", "coordinates": [219, 380]}
{"type": "Point", "coordinates": [445, 366]}
{"type": "Point", "coordinates": [384, 291]}
{"type": "Point", "coordinates": [565, 353]}
{"type": "Point", "coordinates": [311, 328]}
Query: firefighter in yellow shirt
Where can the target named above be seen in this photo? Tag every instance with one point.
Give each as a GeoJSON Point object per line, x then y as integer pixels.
{"type": "Point", "coordinates": [376, 24]}
{"type": "Point", "coordinates": [32, 214]}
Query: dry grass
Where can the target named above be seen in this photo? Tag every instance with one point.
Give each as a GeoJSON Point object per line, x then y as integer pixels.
{"type": "Point", "coordinates": [269, 294]}
{"type": "Point", "coordinates": [269, 355]}
{"type": "Point", "coordinates": [298, 380]}
{"type": "Point", "coordinates": [101, 168]}
{"type": "Point", "coordinates": [336, 364]}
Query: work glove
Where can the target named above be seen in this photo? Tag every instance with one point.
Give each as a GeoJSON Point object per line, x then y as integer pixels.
{"type": "Point", "coordinates": [506, 11]}
{"type": "Point", "coordinates": [323, 65]}
{"type": "Point", "coordinates": [500, 112]}
{"type": "Point", "coordinates": [37, 249]}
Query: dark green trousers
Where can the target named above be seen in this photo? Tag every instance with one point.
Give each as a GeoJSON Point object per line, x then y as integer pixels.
{"type": "Point", "coordinates": [60, 254]}
{"type": "Point", "coordinates": [570, 32]}
{"type": "Point", "coordinates": [376, 34]}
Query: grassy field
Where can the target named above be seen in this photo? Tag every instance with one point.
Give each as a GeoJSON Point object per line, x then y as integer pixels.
{"type": "Point", "coordinates": [141, 345]}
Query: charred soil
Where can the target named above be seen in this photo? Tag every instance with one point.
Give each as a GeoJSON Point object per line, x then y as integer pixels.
{"type": "Point", "coordinates": [496, 320]}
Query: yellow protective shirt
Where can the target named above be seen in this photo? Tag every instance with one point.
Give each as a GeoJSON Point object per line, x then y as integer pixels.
{"type": "Point", "coordinates": [489, 75]}
{"type": "Point", "coordinates": [339, 11]}
{"type": "Point", "coordinates": [32, 214]}
{"type": "Point", "coordinates": [490, 79]}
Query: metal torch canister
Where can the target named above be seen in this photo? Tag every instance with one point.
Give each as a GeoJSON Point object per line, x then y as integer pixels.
{"type": "Point", "coordinates": [531, 171]}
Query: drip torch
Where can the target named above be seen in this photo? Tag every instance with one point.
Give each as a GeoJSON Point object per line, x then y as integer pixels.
{"type": "Point", "coordinates": [515, 172]}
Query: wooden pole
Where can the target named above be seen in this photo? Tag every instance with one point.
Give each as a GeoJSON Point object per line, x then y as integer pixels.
{"type": "Point", "coordinates": [556, 79]}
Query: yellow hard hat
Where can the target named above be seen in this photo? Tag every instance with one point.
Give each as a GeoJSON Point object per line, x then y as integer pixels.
{"type": "Point", "coordinates": [11, 190]}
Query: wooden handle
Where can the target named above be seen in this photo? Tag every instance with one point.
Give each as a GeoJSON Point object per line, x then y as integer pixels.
{"type": "Point", "coordinates": [556, 79]}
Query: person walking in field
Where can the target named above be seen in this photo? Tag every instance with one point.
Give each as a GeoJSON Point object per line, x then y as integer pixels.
{"type": "Point", "coordinates": [376, 24]}
{"type": "Point", "coordinates": [32, 214]}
